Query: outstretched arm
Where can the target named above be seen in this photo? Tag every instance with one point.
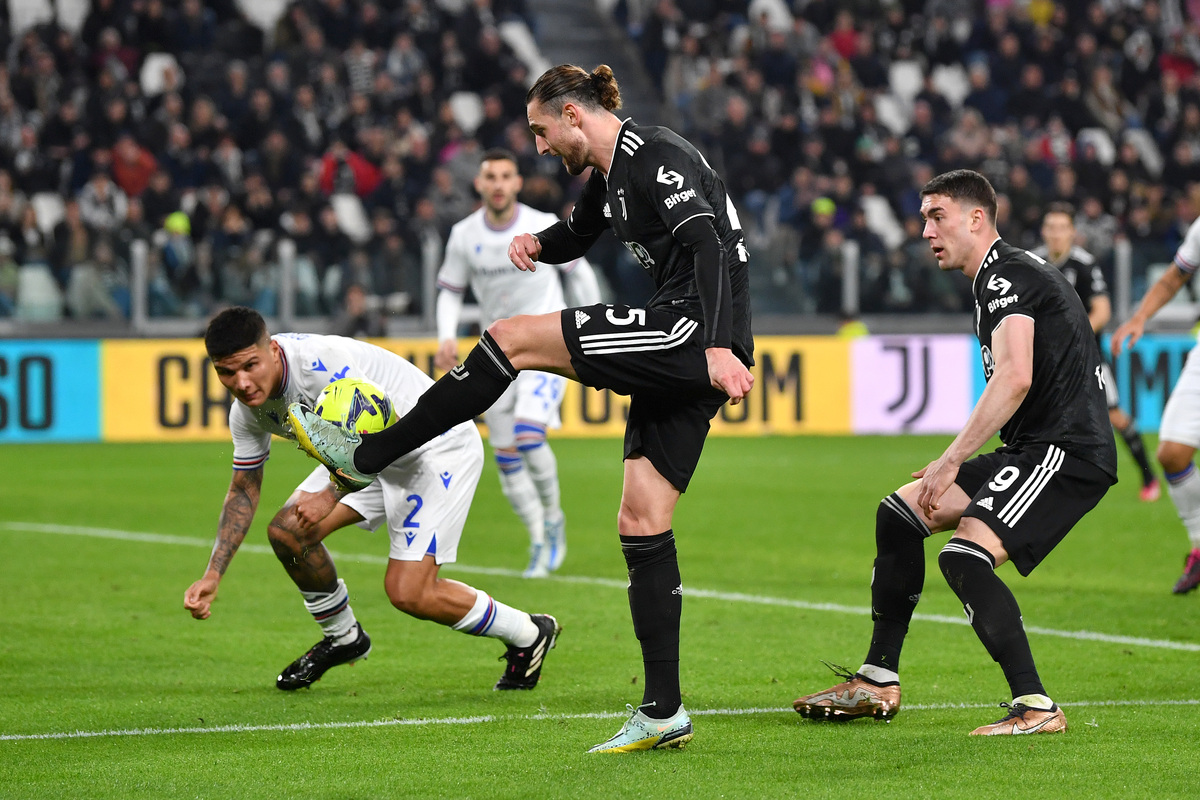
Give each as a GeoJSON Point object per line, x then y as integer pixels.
{"type": "Point", "coordinates": [1012, 349]}
{"type": "Point", "coordinates": [1159, 295]}
{"type": "Point", "coordinates": [241, 501]}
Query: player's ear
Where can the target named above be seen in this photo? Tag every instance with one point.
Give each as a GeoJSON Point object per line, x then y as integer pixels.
{"type": "Point", "coordinates": [478, 189]}
{"type": "Point", "coordinates": [520, 183]}
{"type": "Point", "coordinates": [570, 113]}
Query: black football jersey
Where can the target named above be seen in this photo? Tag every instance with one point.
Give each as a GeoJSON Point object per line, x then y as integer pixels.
{"type": "Point", "coordinates": [657, 181]}
{"type": "Point", "coordinates": [1066, 404]}
{"type": "Point", "coordinates": [1082, 271]}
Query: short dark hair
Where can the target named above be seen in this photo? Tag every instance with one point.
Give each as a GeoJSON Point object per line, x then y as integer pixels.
{"type": "Point", "coordinates": [1060, 207]}
{"type": "Point", "coordinates": [965, 184]}
{"type": "Point", "coordinates": [499, 154]}
{"type": "Point", "coordinates": [232, 330]}
{"type": "Point", "coordinates": [567, 82]}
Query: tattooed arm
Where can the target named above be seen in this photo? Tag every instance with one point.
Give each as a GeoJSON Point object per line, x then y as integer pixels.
{"type": "Point", "coordinates": [236, 515]}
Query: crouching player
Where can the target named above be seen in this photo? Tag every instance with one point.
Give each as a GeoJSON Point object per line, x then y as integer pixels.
{"type": "Point", "coordinates": [423, 498]}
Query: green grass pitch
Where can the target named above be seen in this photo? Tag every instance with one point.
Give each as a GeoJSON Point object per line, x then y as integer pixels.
{"type": "Point", "coordinates": [775, 546]}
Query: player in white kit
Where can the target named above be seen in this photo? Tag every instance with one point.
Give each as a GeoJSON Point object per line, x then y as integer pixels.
{"type": "Point", "coordinates": [477, 256]}
{"type": "Point", "coordinates": [1179, 434]}
{"type": "Point", "coordinates": [423, 498]}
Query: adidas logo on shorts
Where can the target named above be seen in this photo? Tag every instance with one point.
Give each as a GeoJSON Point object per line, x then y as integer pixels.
{"type": "Point", "coordinates": [580, 318]}
{"type": "Point", "coordinates": [986, 503]}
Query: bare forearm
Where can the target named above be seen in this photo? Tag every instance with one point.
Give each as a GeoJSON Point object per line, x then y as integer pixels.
{"type": "Point", "coordinates": [1161, 293]}
{"type": "Point", "coordinates": [236, 515]}
{"type": "Point", "coordinates": [999, 401]}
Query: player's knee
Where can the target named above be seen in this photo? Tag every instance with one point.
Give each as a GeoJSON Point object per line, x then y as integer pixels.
{"type": "Point", "coordinates": [506, 333]}
{"type": "Point", "coordinates": [408, 598]}
{"type": "Point", "coordinates": [529, 435]}
{"type": "Point", "coordinates": [1174, 457]}
{"type": "Point", "coordinates": [283, 538]}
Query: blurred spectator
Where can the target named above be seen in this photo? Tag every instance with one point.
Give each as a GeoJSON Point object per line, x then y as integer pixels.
{"type": "Point", "coordinates": [355, 318]}
{"type": "Point", "coordinates": [9, 277]}
{"type": "Point", "coordinates": [99, 284]}
{"type": "Point", "coordinates": [102, 204]}
{"type": "Point", "coordinates": [345, 172]}
{"type": "Point", "coordinates": [132, 165]}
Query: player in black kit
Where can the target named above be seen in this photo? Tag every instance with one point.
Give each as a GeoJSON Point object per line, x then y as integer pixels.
{"type": "Point", "coordinates": [680, 358]}
{"type": "Point", "coordinates": [1083, 272]}
{"type": "Point", "coordinates": [1045, 396]}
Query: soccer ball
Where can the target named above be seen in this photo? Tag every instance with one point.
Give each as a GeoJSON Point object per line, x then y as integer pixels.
{"type": "Point", "coordinates": [356, 404]}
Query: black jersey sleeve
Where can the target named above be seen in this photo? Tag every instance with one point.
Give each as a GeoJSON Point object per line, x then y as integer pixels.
{"type": "Point", "coordinates": [1090, 284]}
{"type": "Point", "coordinates": [673, 181]}
{"type": "Point", "coordinates": [569, 239]}
{"type": "Point", "coordinates": [712, 279]}
{"type": "Point", "coordinates": [1009, 288]}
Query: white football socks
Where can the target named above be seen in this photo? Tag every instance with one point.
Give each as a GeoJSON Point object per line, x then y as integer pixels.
{"type": "Point", "coordinates": [543, 468]}
{"type": "Point", "coordinates": [1184, 489]}
{"type": "Point", "coordinates": [332, 612]}
{"type": "Point", "coordinates": [518, 486]}
{"type": "Point", "coordinates": [489, 617]}
{"type": "Point", "coordinates": [1035, 701]}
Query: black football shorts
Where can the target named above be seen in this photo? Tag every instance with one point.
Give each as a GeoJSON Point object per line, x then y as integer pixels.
{"type": "Point", "coordinates": [1031, 497]}
{"type": "Point", "coordinates": [657, 358]}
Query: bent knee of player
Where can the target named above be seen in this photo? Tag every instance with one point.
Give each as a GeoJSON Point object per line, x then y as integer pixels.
{"type": "Point", "coordinates": [977, 531]}
{"type": "Point", "coordinates": [410, 586]}
{"type": "Point", "coordinates": [946, 516]}
{"type": "Point", "coordinates": [283, 534]}
{"type": "Point", "coordinates": [1174, 457]}
{"type": "Point", "coordinates": [532, 341]}
{"type": "Point", "coordinates": [529, 434]}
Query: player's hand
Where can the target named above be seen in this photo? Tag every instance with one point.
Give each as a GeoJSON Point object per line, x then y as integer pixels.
{"type": "Point", "coordinates": [199, 597]}
{"type": "Point", "coordinates": [524, 251]}
{"type": "Point", "coordinates": [727, 373]}
{"type": "Point", "coordinates": [312, 507]}
{"type": "Point", "coordinates": [446, 357]}
{"type": "Point", "coordinates": [1131, 329]}
{"type": "Point", "coordinates": [935, 480]}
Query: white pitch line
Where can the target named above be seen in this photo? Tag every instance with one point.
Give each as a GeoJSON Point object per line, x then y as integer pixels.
{"type": "Point", "coordinates": [296, 727]}
{"type": "Point", "coordinates": [733, 597]}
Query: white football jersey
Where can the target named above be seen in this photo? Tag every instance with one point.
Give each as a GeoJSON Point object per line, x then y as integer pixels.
{"type": "Point", "coordinates": [310, 363]}
{"type": "Point", "coordinates": [1188, 256]}
{"type": "Point", "coordinates": [477, 255]}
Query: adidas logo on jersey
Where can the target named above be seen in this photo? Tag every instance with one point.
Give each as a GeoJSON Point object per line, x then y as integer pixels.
{"type": "Point", "coordinates": [580, 318]}
{"type": "Point", "coordinates": [986, 503]}
{"type": "Point", "coordinates": [607, 211]}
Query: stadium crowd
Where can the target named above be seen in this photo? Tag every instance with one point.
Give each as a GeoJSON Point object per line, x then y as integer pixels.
{"type": "Point", "coordinates": [352, 128]}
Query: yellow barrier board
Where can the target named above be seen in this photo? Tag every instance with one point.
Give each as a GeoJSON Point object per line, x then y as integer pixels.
{"type": "Point", "coordinates": [166, 390]}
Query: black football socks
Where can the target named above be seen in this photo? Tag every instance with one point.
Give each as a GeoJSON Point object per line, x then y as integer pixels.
{"type": "Point", "coordinates": [462, 394]}
{"type": "Point", "coordinates": [1133, 440]}
{"type": "Point", "coordinates": [656, 602]}
{"type": "Point", "coordinates": [992, 611]}
{"type": "Point", "coordinates": [897, 581]}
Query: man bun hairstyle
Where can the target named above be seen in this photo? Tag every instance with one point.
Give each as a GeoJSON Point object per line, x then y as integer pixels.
{"type": "Point", "coordinates": [234, 329]}
{"type": "Point", "coordinates": [568, 83]}
{"type": "Point", "coordinates": [965, 185]}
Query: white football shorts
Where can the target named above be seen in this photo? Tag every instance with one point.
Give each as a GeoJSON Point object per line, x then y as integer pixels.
{"type": "Point", "coordinates": [1181, 417]}
{"type": "Point", "coordinates": [533, 397]}
{"type": "Point", "coordinates": [424, 501]}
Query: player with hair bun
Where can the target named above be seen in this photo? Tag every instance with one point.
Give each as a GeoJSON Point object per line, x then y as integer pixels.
{"type": "Point", "coordinates": [680, 357]}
